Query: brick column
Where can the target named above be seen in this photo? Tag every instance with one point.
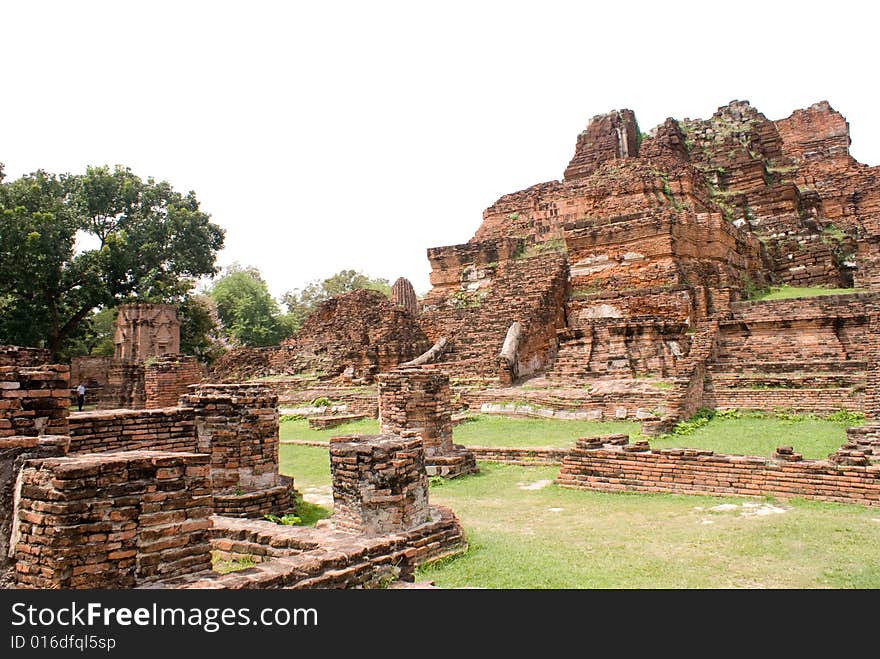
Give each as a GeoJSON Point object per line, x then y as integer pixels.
{"type": "Point", "coordinates": [237, 424]}
{"type": "Point", "coordinates": [416, 402]}
{"type": "Point", "coordinates": [872, 388]}
{"type": "Point", "coordinates": [379, 484]}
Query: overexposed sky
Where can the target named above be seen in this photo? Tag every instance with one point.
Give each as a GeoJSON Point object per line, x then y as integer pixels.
{"type": "Point", "coordinates": [331, 135]}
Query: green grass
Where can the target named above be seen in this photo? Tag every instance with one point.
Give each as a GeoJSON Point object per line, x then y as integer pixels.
{"type": "Point", "coordinates": [226, 566]}
{"type": "Point", "coordinates": [601, 540]}
{"type": "Point", "coordinates": [299, 429]}
{"type": "Point", "coordinates": [492, 430]}
{"type": "Point", "coordinates": [751, 435]}
{"type": "Point", "coordinates": [788, 292]}
{"type": "Point", "coordinates": [558, 538]}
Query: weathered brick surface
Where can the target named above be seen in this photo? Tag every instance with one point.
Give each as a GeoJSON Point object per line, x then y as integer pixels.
{"type": "Point", "coordinates": [612, 464]}
{"type": "Point", "coordinates": [238, 426]}
{"type": "Point", "coordinates": [34, 400]}
{"type": "Point", "coordinates": [19, 356]}
{"type": "Point", "coordinates": [146, 330]}
{"type": "Point", "coordinates": [166, 379]}
{"type": "Point", "coordinates": [379, 484]}
{"type": "Point", "coordinates": [125, 386]}
{"type": "Point", "coordinates": [417, 402]}
{"type": "Point", "coordinates": [14, 451]}
{"type": "Point", "coordinates": [298, 557]}
{"type": "Point", "coordinates": [168, 429]}
{"type": "Point", "coordinates": [114, 520]}
{"type": "Point", "coordinates": [473, 304]}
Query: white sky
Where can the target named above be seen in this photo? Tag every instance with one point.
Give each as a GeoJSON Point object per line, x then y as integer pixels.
{"type": "Point", "coordinates": [331, 135]}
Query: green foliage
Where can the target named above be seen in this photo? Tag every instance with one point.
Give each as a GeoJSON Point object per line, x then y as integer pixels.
{"type": "Point", "coordinates": [753, 290]}
{"type": "Point", "coordinates": [285, 520]}
{"type": "Point", "coordinates": [231, 565]}
{"type": "Point", "coordinates": [302, 302]}
{"type": "Point", "coordinates": [70, 244]}
{"type": "Point", "coordinates": [200, 334]}
{"type": "Point", "coordinates": [321, 401]}
{"type": "Point", "coordinates": [698, 420]}
{"type": "Point", "coordinates": [463, 300]}
{"type": "Point", "coordinates": [846, 416]}
{"type": "Point", "coordinates": [436, 481]}
{"type": "Point", "coordinates": [248, 314]}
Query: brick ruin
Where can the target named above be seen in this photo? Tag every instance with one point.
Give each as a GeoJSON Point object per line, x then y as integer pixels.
{"type": "Point", "coordinates": [349, 338]}
{"type": "Point", "coordinates": [416, 402]}
{"type": "Point", "coordinates": [146, 369]}
{"type": "Point", "coordinates": [623, 290]}
{"type": "Point", "coordinates": [141, 498]}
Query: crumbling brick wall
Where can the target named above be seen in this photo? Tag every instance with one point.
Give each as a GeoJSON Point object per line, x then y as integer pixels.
{"type": "Point", "coordinates": [34, 400]}
{"type": "Point", "coordinates": [166, 379]}
{"type": "Point", "coordinates": [612, 464]}
{"type": "Point", "coordinates": [379, 484]}
{"type": "Point", "coordinates": [114, 520]}
{"type": "Point", "coordinates": [19, 356]}
{"type": "Point", "coordinates": [14, 451]}
{"type": "Point", "coordinates": [473, 305]}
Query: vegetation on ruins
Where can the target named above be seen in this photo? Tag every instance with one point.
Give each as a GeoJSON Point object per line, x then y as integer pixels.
{"type": "Point", "coordinates": [248, 314]}
{"type": "Point", "coordinates": [73, 244]}
{"type": "Point", "coordinates": [302, 302]}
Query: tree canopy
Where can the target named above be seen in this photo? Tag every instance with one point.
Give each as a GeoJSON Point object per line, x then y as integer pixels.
{"type": "Point", "coordinates": [70, 244]}
{"type": "Point", "coordinates": [248, 313]}
{"type": "Point", "coordinates": [301, 302]}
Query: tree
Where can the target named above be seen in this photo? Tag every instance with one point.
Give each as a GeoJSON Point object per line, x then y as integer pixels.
{"type": "Point", "coordinates": [248, 313]}
{"type": "Point", "coordinates": [150, 244]}
{"type": "Point", "coordinates": [200, 328]}
{"type": "Point", "coordinates": [301, 302]}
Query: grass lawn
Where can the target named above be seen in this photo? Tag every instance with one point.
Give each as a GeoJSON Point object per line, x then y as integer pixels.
{"type": "Point", "coordinates": [749, 435]}
{"type": "Point", "coordinates": [556, 538]}
{"type": "Point", "coordinates": [814, 438]}
{"type": "Point", "coordinates": [493, 430]}
{"type": "Point", "coordinates": [299, 429]}
{"type": "Point", "coordinates": [484, 430]}
{"type": "Point", "coordinates": [788, 292]}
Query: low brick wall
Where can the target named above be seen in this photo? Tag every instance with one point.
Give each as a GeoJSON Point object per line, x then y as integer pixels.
{"type": "Point", "coordinates": [519, 455]}
{"type": "Point", "coordinates": [112, 520]}
{"type": "Point", "coordinates": [20, 356]}
{"type": "Point", "coordinates": [612, 464]}
{"type": "Point", "coordinates": [170, 429]}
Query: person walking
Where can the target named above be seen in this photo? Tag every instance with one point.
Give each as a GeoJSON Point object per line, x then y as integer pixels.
{"type": "Point", "coordinates": [80, 396]}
